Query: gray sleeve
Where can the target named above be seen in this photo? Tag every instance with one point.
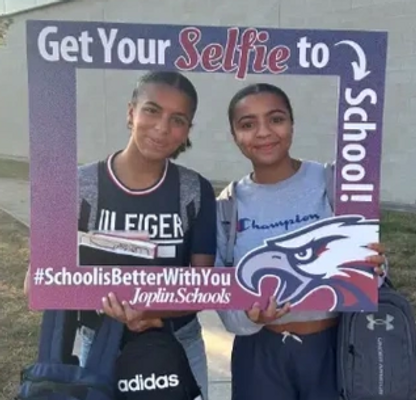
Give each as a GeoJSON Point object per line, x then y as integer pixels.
{"type": "Point", "coordinates": [234, 321]}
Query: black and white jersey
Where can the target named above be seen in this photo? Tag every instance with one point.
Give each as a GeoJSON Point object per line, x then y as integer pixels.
{"type": "Point", "coordinates": [155, 210]}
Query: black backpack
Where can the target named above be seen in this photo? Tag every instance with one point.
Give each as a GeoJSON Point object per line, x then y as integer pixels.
{"type": "Point", "coordinates": [154, 365]}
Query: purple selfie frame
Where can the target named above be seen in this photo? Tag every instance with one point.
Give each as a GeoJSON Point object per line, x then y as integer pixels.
{"type": "Point", "coordinates": [358, 58]}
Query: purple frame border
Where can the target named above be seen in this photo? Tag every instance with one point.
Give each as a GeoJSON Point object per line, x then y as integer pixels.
{"type": "Point", "coordinates": [53, 130]}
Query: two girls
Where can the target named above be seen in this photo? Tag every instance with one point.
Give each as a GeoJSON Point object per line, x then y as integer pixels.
{"type": "Point", "coordinates": [276, 354]}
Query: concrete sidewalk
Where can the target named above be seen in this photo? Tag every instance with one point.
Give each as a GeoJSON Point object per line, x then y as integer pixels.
{"type": "Point", "coordinates": [15, 200]}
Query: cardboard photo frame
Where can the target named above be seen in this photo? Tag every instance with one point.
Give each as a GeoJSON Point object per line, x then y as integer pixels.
{"type": "Point", "coordinates": [56, 49]}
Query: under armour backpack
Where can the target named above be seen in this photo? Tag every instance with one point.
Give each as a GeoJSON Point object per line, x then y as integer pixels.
{"type": "Point", "coordinates": [376, 355]}
{"type": "Point", "coordinates": [56, 374]}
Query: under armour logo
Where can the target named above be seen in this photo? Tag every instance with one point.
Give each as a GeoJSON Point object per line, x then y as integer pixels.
{"type": "Point", "coordinates": [372, 322]}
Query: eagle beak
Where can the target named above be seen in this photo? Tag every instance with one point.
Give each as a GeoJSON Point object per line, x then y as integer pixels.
{"type": "Point", "coordinates": [257, 265]}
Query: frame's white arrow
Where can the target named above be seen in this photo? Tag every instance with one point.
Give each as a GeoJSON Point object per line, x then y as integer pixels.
{"type": "Point", "coordinates": [360, 67]}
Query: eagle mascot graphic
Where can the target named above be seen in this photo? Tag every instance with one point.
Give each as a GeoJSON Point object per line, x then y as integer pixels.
{"type": "Point", "coordinates": [317, 267]}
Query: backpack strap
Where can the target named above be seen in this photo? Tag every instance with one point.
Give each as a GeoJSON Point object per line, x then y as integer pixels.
{"type": "Point", "coordinates": [329, 183]}
{"type": "Point", "coordinates": [88, 186]}
{"type": "Point", "coordinates": [57, 336]}
{"type": "Point", "coordinates": [88, 194]}
{"type": "Point", "coordinates": [58, 328]}
{"type": "Point", "coordinates": [84, 216]}
{"type": "Point", "coordinates": [105, 347]}
{"type": "Point", "coordinates": [189, 196]}
{"type": "Point", "coordinates": [228, 215]}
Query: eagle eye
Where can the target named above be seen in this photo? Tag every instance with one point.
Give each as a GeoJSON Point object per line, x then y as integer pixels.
{"type": "Point", "coordinates": [304, 255]}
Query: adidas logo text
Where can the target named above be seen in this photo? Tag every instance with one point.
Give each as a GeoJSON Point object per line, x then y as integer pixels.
{"type": "Point", "coordinates": [153, 382]}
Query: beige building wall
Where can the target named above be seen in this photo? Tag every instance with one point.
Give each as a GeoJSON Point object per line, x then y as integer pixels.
{"type": "Point", "coordinates": [103, 95]}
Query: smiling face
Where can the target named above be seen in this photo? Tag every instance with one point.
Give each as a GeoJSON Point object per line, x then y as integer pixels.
{"type": "Point", "coordinates": [160, 120]}
{"type": "Point", "coordinates": [263, 128]}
